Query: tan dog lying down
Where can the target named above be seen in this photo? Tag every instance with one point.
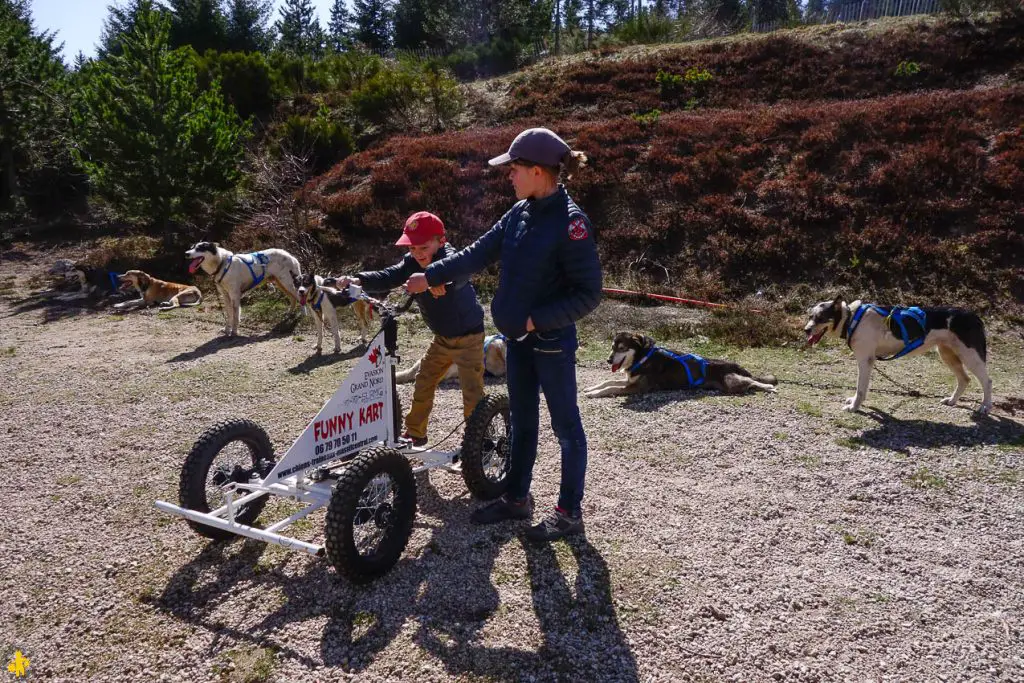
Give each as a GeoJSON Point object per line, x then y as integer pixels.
{"type": "Point", "coordinates": [166, 294]}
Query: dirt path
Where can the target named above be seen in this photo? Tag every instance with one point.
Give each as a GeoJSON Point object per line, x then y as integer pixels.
{"type": "Point", "coordinates": [745, 539]}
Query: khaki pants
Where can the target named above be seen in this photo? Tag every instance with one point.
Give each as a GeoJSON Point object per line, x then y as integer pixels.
{"type": "Point", "coordinates": [467, 353]}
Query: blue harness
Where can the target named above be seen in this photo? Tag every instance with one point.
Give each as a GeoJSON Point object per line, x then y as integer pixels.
{"type": "Point", "coordinates": [319, 301]}
{"type": "Point", "coordinates": [115, 282]}
{"type": "Point", "coordinates": [686, 361]}
{"type": "Point", "coordinates": [897, 318]}
{"type": "Point", "coordinates": [254, 258]}
{"type": "Point", "coordinates": [487, 342]}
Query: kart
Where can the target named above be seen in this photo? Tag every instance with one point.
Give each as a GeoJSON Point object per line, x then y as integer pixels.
{"type": "Point", "coordinates": [349, 459]}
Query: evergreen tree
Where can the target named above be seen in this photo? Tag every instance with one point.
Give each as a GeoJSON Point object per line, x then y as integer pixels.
{"type": "Point", "coordinates": [154, 144]}
{"type": "Point", "coordinates": [198, 23]}
{"type": "Point", "coordinates": [340, 29]}
{"type": "Point", "coordinates": [373, 23]}
{"type": "Point", "coordinates": [32, 77]}
{"type": "Point", "coordinates": [121, 20]}
{"type": "Point", "coordinates": [412, 19]}
{"type": "Point", "coordinates": [247, 25]}
{"type": "Point", "coordinates": [298, 29]}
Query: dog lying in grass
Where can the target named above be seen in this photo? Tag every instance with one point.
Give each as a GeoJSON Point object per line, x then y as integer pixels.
{"type": "Point", "coordinates": [649, 367]}
{"type": "Point", "coordinates": [154, 292]}
{"type": "Point", "coordinates": [87, 282]}
{"type": "Point", "coordinates": [886, 333]}
{"type": "Point", "coordinates": [494, 362]}
{"type": "Point", "coordinates": [325, 301]}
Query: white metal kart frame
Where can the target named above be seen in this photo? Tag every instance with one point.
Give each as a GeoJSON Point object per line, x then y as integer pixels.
{"type": "Point", "coordinates": [364, 476]}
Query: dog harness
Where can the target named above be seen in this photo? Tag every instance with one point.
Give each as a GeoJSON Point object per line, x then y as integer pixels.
{"type": "Point", "coordinates": [115, 282]}
{"type": "Point", "coordinates": [253, 258]}
{"type": "Point", "coordinates": [691, 362]}
{"type": "Point", "coordinates": [900, 320]}
{"type": "Point", "coordinates": [319, 300]}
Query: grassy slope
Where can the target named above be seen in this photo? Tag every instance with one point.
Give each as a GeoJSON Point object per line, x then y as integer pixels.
{"type": "Point", "coordinates": [806, 160]}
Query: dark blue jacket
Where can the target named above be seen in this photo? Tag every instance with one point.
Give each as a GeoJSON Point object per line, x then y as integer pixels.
{"type": "Point", "coordinates": [455, 314]}
{"type": "Point", "coordinates": [550, 270]}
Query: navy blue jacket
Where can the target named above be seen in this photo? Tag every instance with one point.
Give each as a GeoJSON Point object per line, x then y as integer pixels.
{"type": "Point", "coordinates": [455, 314]}
{"type": "Point", "coordinates": [550, 270]}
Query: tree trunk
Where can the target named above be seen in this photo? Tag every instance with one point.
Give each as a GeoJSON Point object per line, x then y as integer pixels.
{"type": "Point", "coordinates": [8, 175]}
{"type": "Point", "coordinates": [590, 23]}
{"type": "Point", "coordinates": [558, 27]}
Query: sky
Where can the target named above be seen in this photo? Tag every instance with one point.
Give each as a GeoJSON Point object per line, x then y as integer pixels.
{"type": "Point", "coordinates": [78, 23]}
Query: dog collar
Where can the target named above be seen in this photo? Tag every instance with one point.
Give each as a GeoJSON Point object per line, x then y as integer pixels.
{"type": "Point", "coordinates": [226, 268]}
{"type": "Point", "coordinates": [640, 362]}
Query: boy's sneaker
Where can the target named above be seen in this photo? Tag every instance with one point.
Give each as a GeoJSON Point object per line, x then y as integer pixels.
{"type": "Point", "coordinates": [503, 509]}
{"type": "Point", "coordinates": [558, 524]}
{"type": "Point", "coordinates": [417, 441]}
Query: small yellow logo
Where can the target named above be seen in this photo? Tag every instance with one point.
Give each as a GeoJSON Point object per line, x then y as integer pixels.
{"type": "Point", "coordinates": [413, 225]}
{"type": "Point", "coordinates": [19, 665]}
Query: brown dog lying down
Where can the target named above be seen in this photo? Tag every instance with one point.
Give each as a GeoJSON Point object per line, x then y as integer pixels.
{"type": "Point", "coordinates": [166, 294]}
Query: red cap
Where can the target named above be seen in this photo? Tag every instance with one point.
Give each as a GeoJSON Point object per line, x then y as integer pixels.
{"type": "Point", "coordinates": [419, 228]}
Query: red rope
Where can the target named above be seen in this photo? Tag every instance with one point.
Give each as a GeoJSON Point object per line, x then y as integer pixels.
{"type": "Point", "coordinates": [673, 299]}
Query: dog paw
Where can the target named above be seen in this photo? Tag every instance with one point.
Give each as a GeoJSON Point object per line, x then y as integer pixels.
{"type": "Point", "coordinates": [949, 401]}
{"type": "Point", "coordinates": [318, 351]}
{"type": "Point", "coordinates": [851, 405]}
{"type": "Point", "coordinates": [984, 409]}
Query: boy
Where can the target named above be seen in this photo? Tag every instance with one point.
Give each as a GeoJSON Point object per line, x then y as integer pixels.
{"type": "Point", "coordinates": [451, 311]}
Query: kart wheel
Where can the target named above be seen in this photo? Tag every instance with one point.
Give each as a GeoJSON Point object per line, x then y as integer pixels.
{"type": "Point", "coordinates": [229, 451]}
{"type": "Point", "coordinates": [485, 448]}
{"type": "Point", "coordinates": [370, 516]}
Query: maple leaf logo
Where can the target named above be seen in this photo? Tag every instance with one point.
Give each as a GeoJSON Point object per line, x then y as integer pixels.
{"type": "Point", "coordinates": [18, 665]}
{"type": "Point", "coordinates": [375, 356]}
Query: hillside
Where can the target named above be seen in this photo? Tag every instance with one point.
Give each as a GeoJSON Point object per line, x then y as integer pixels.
{"type": "Point", "coordinates": [883, 157]}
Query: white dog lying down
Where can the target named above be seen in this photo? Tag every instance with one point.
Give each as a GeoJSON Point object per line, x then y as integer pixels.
{"type": "Point", "coordinates": [236, 274]}
{"type": "Point", "coordinates": [494, 362]}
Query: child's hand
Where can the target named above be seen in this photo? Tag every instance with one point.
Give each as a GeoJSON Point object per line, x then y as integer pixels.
{"type": "Point", "coordinates": [438, 291]}
{"type": "Point", "coordinates": [417, 284]}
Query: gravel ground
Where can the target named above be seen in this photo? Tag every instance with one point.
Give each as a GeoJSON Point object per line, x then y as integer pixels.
{"type": "Point", "coordinates": [739, 539]}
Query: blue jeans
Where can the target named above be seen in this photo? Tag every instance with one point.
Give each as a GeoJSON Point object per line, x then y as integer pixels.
{"type": "Point", "coordinates": [546, 361]}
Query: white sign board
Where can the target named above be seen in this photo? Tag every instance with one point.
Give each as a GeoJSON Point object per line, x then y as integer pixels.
{"type": "Point", "coordinates": [358, 415]}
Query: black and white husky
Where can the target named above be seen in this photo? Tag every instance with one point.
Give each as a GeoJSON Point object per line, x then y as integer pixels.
{"type": "Point", "coordinates": [235, 274]}
{"type": "Point", "coordinates": [649, 367]}
{"type": "Point", "coordinates": [885, 333]}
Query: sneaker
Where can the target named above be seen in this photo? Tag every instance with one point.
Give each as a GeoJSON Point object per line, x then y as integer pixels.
{"type": "Point", "coordinates": [417, 441]}
{"type": "Point", "coordinates": [557, 525]}
{"type": "Point", "coordinates": [503, 509]}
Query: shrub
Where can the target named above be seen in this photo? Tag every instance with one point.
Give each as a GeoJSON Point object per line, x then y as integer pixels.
{"type": "Point", "coordinates": [409, 94]}
{"type": "Point", "coordinates": [319, 138]}
{"type": "Point", "coordinates": [246, 81]}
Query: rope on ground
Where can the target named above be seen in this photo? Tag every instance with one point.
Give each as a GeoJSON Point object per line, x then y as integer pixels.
{"type": "Point", "coordinates": [674, 299]}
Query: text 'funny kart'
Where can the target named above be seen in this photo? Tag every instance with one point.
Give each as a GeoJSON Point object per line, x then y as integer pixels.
{"type": "Point", "coordinates": [348, 459]}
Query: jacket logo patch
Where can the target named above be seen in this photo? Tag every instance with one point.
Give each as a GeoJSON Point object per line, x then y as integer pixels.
{"type": "Point", "coordinates": [578, 229]}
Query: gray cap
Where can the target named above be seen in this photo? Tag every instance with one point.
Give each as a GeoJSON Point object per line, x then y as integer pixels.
{"type": "Point", "coordinates": [537, 145]}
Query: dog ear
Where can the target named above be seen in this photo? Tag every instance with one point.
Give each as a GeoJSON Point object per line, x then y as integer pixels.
{"type": "Point", "coordinates": [646, 342]}
{"type": "Point", "coordinates": [837, 303]}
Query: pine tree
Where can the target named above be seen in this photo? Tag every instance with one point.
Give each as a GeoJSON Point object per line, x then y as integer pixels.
{"type": "Point", "coordinates": [247, 25]}
{"type": "Point", "coordinates": [120, 21]}
{"type": "Point", "coordinates": [298, 29]}
{"type": "Point", "coordinates": [154, 144]}
{"type": "Point", "coordinates": [340, 29]}
{"type": "Point", "coordinates": [198, 23]}
{"type": "Point", "coordinates": [373, 23]}
{"type": "Point", "coordinates": [411, 22]}
{"type": "Point", "coordinates": [32, 77]}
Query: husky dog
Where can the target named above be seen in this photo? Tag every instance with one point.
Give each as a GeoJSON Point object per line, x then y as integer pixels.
{"type": "Point", "coordinates": [885, 333]}
{"type": "Point", "coordinates": [494, 362]}
{"type": "Point", "coordinates": [325, 302]}
{"type": "Point", "coordinates": [236, 274]}
{"type": "Point", "coordinates": [152, 291]}
{"type": "Point", "coordinates": [649, 367]}
{"type": "Point", "coordinates": [90, 282]}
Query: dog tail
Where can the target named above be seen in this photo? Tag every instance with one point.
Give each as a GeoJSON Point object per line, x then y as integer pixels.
{"type": "Point", "coordinates": [407, 375]}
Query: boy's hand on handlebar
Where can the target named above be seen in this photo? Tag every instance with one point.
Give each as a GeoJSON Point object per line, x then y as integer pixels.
{"type": "Point", "coordinates": [417, 284]}
{"type": "Point", "coordinates": [530, 327]}
{"type": "Point", "coordinates": [438, 291]}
